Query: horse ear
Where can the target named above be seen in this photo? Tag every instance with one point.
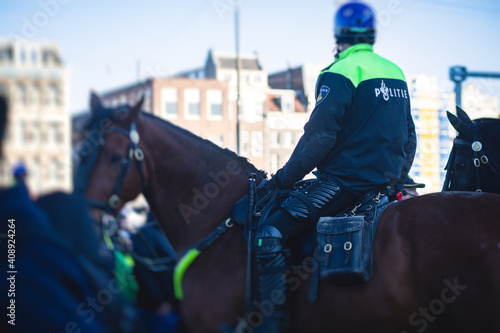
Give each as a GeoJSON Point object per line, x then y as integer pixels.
{"type": "Point", "coordinates": [95, 102]}
{"type": "Point", "coordinates": [132, 113]}
{"type": "Point", "coordinates": [463, 116]}
{"type": "Point", "coordinates": [458, 124]}
{"type": "Point", "coordinates": [455, 121]}
{"type": "Point", "coordinates": [139, 104]}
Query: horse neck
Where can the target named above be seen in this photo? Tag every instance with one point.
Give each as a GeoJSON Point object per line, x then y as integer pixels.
{"type": "Point", "coordinates": [192, 184]}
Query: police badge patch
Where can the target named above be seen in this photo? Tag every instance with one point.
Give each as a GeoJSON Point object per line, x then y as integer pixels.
{"type": "Point", "coordinates": [323, 92]}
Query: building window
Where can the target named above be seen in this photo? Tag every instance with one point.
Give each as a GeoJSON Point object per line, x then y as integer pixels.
{"type": "Point", "coordinates": [22, 57]}
{"type": "Point", "coordinates": [170, 102]}
{"type": "Point", "coordinates": [52, 95]}
{"type": "Point", "coordinates": [216, 109]}
{"type": "Point", "coordinates": [21, 94]}
{"type": "Point", "coordinates": [56, 135]}
{"type": "Point", "coordinates": [6, 54]}
{"type": "Point", "coordinates": [257, 79]}
{"type": "Point", "coordinates": [245, 143]}
{"type": "Point", "coordinates": [287, 104]}
{"type": "Point", "coordinates": [171, 108]}
{"type": "Point", "coordinates": [214, 101]}
{"type": "Point", "coordinates": [35, 95]}
{"type": "Point", "coordinates": [23, 132]}
{"type": "Point", "coordinates": [275, 138]}
{"type": "Point", "coordinates": [46, 56]}
{"type": "Point", "coordinates": [34, 57]}
{"type": "Point", "coordinates": [257, 144]}
{"type": "Point", "coordinates": [36, 131]}
{"type": "Point", "coordinates": [288, 139]}
{"type": "Point", "coordinates": [192, 99]}
{"type": "Point", "coordinates": [194, 108]}
{"type": "Point", "coordinates": [275, 162]}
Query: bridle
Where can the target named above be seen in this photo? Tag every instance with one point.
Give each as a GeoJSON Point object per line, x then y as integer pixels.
{"type": "Point", "coordinates": [108, 223]}
{"type": "Point", "coordinates": [182, 260]}
{"type": "Point", "coordinates": [134, 154]}
{"type": "Point", "coordinates": [478, 160]}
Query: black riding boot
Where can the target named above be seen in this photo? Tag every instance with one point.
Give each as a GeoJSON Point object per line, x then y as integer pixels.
{"type": "Point", "coordinates": [272, 265]}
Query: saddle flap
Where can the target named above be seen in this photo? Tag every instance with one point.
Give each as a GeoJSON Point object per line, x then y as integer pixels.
{"type": "Point", "coordinates": [332, 225]}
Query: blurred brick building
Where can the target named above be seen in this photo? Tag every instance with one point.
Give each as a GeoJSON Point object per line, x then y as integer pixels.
{"type": "Point", "coordinates": [34, 79]}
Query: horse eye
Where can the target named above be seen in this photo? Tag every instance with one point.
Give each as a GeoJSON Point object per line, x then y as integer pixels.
{"type": "Point", "coordinates": [115, 159]}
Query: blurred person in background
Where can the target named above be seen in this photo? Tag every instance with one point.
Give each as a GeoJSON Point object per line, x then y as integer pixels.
{"type": "Point", "coordinates": [55, 278]}
{"type": "Point", "coordinates": [19, 172]}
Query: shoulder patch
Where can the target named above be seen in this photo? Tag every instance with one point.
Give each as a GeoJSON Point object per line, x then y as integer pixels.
{"type": "Point", "coordinates": [323, 92]}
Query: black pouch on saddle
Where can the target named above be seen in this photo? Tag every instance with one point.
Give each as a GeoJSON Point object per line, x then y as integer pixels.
{"type": "Point", "coordinates": [345, 244]}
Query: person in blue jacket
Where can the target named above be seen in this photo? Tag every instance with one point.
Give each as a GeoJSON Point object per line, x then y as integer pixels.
{"type": "Point", "coordinates": [360, 137]}
{"type": "Point", "coordinates": [54, 278]}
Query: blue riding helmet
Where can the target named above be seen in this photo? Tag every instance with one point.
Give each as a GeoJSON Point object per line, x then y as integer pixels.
{"type": "Point", "coordinates": [355, 23]}
{"type": "Point", "coordinates": [19, 170]}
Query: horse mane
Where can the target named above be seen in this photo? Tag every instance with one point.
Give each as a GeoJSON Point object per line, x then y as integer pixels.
{"type": "Point", "coordinates": [111, 114]}
{"type": "Point", "coordinates": [495, 121]}
{"type": "Point", "coordinates": [207, 143]}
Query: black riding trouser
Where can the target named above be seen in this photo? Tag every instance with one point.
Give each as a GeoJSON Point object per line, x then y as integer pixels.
{"type": "Point", "coordinates": [290, 225]}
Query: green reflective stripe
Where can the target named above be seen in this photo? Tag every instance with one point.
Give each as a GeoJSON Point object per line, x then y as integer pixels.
{"type": "Point", "coordinates": [181, 268]}
{"type": "Point", "coordinates": [373, 66]}
{"type": "Point", "coordinates": [358, 29]}
{"type": "Point", "coordinates": [129, 261]}
{"type": "Point", "coordinates": [124, 275]}
{"type": "Point", "coordinates": [109, 242]}
{"type": "Point", "coordinates": [260, 241]}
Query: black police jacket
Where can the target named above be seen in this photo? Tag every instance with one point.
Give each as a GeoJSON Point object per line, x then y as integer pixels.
{"type": "Point", "coordinates": [361, 132]}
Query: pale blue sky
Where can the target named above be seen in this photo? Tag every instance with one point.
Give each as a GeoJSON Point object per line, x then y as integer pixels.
{"type": "Point", "coordinates": [102, 41]}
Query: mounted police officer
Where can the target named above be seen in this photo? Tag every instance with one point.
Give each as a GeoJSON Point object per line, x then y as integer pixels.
{"type": "Point", "coordinates": [360, 137]}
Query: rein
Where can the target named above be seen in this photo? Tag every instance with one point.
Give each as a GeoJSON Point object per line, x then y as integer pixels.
{"type": "Point", "coordinates": [195, 250]}
{"type": "Point", "coordinates": [109, 209]}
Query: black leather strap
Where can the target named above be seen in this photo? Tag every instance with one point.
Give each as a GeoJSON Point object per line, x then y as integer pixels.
{"type": "Point", "coordinates": [313, 212]}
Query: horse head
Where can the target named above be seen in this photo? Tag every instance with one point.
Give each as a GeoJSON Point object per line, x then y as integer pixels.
{"type": "Point", "coordinates": [190, 183]}
{"type": "Point", "coordinates": [475, 156]}
{"type": "Point", "coordinates": [112, 170]}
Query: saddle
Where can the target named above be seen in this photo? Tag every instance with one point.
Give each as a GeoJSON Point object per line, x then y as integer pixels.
{"type": "Point", "coordinates": [340, 246]}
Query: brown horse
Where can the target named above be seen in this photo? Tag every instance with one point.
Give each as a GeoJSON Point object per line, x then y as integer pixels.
{"type": "Point", "coordinates": [436, 264]}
